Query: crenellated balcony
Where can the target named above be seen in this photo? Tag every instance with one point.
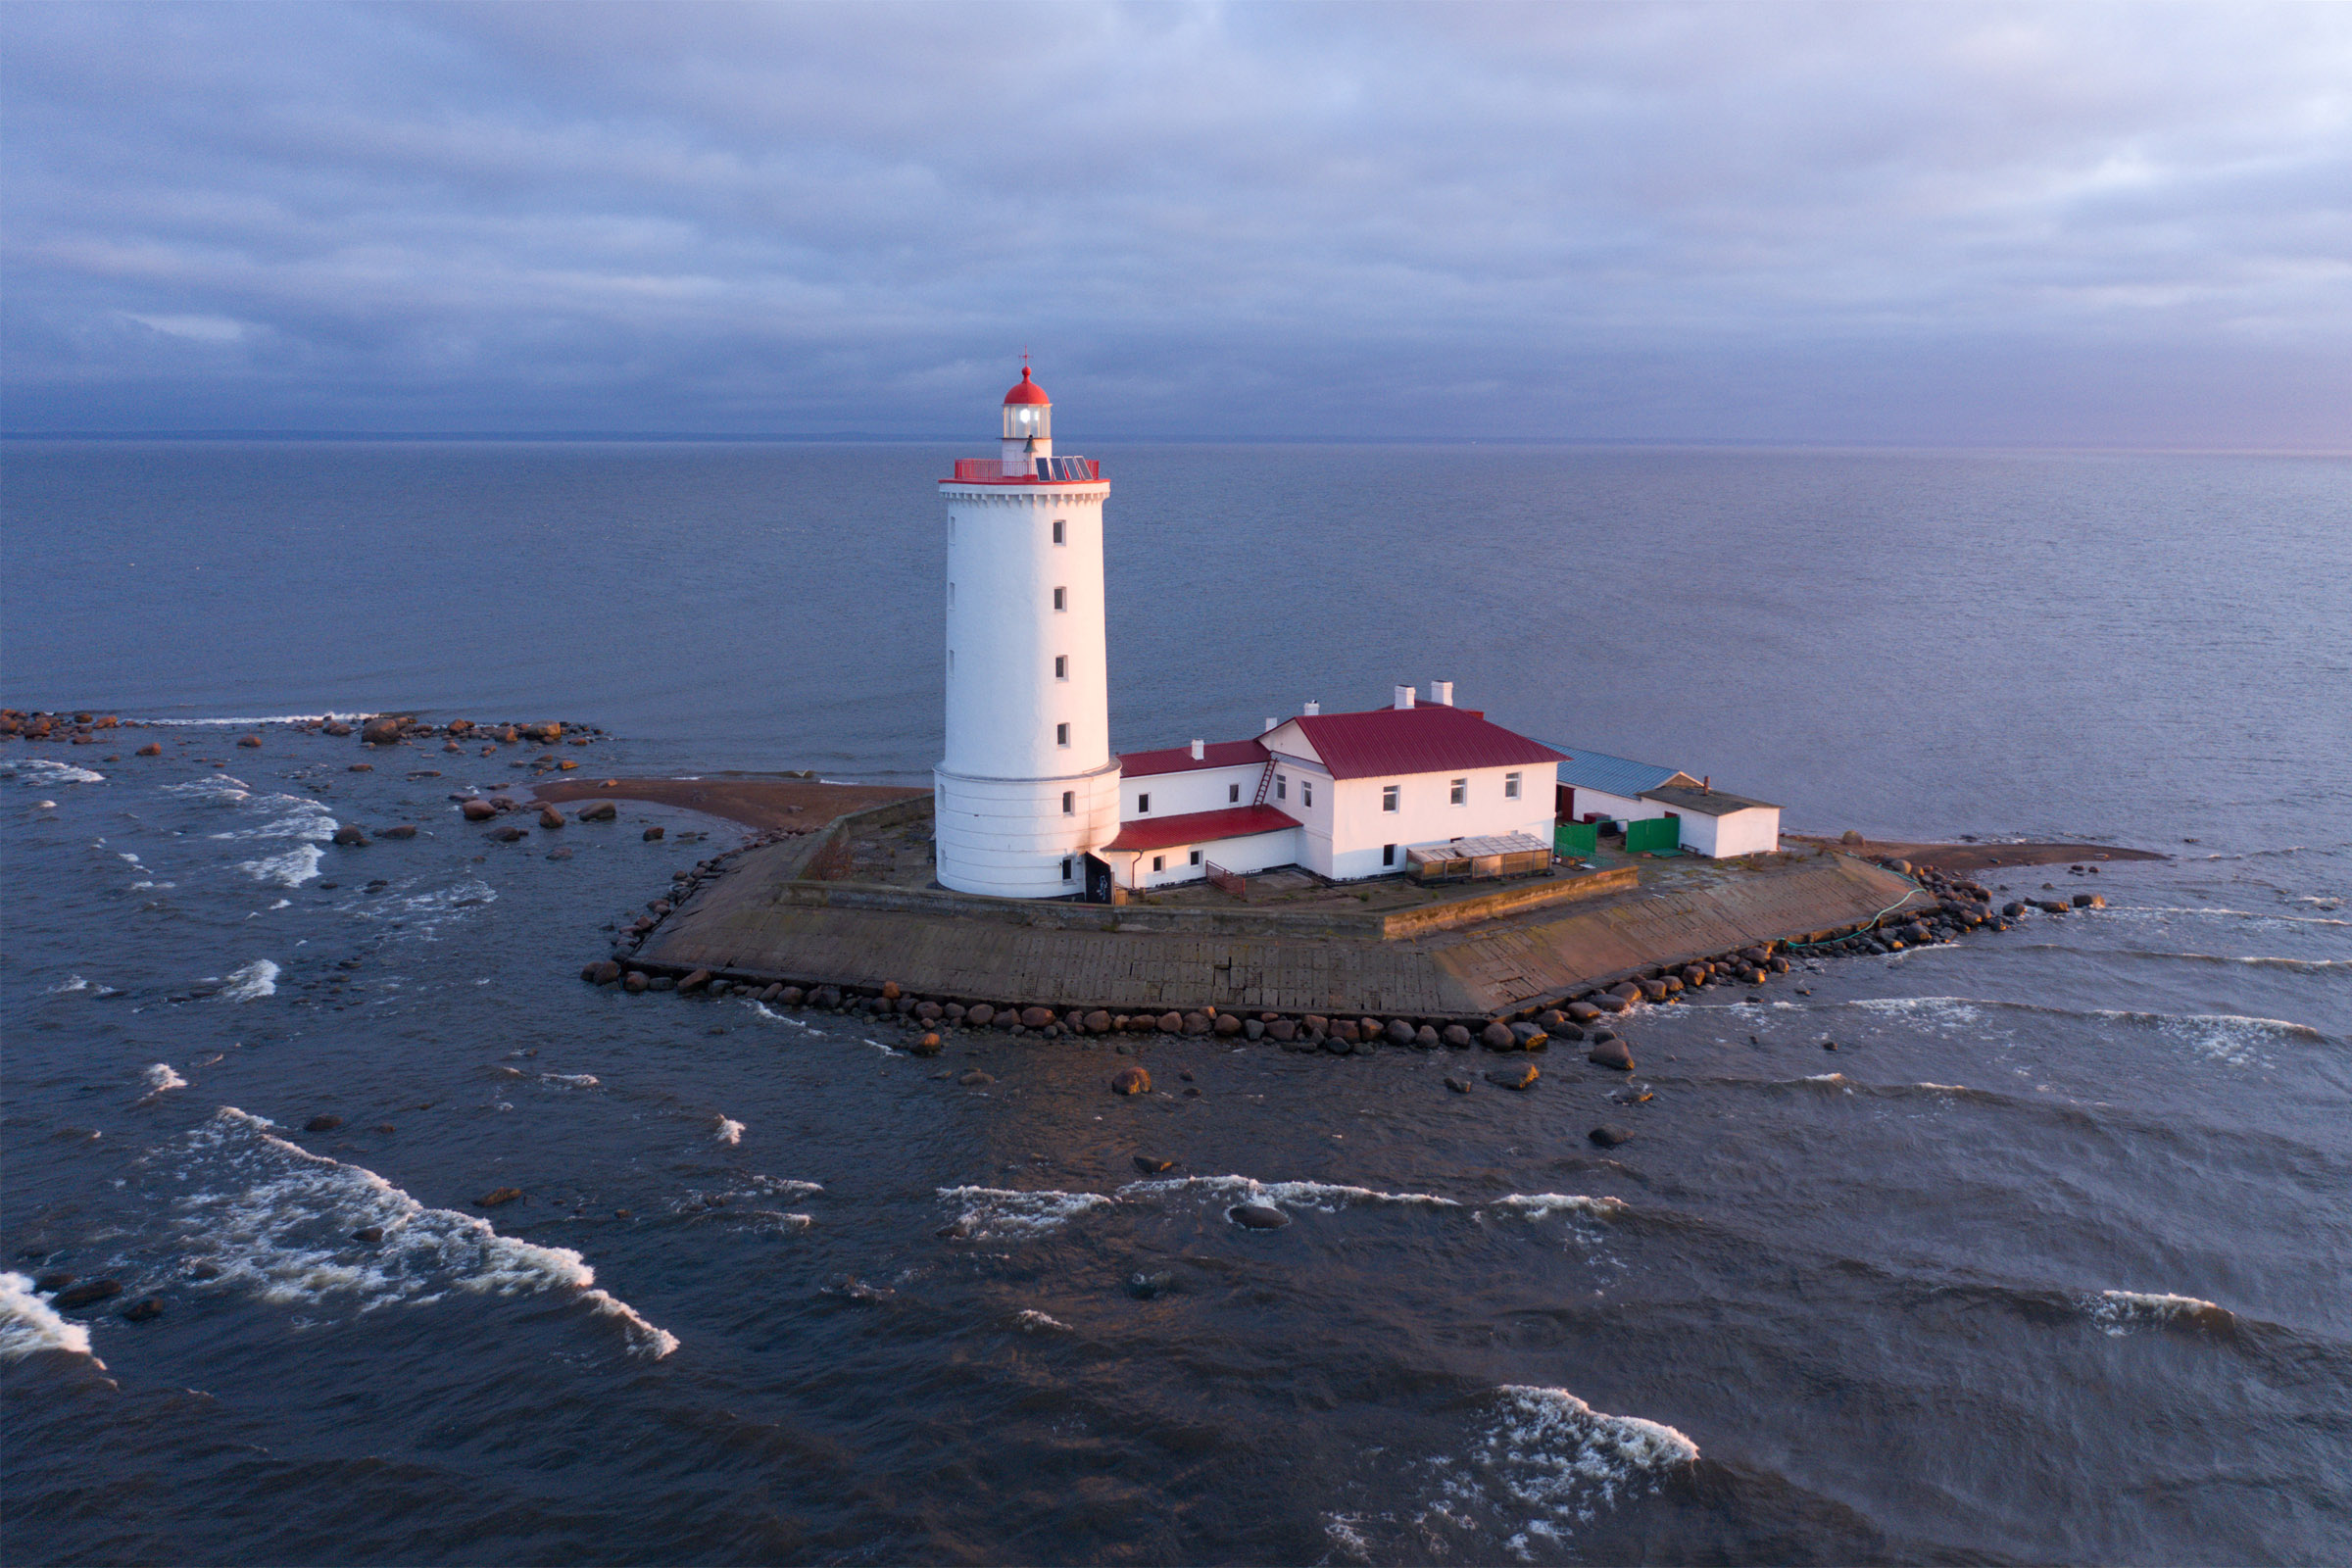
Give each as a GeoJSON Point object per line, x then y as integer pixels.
{"type": "Point", "coordinates": [1038, 470]}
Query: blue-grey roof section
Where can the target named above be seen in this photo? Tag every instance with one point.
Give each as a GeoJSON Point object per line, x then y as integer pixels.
{"type": "Point", "coordinates": [1612, 775]}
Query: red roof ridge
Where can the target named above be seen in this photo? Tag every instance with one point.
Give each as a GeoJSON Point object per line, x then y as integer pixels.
{"type": "Point", "coordinates": [1198, 827]}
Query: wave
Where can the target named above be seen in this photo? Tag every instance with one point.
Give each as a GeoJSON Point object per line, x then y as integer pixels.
{"type": "Point", "coordinates": [255, 981]}
{"type": "Point", "coordinates": [289, 871]}
{"type": "Point", "coordinates": [1325, 1196]}
{"type": "Point", "coordinates": [2249, 960]}
{"type": "Point", "coordinates": [41, 771]}
{"type": "Point", "coordinates": [424, 915]}
{"type": "Point", "coordinates": [1553, 1462]}
{"type": "Point", "coordinates": [160, 1079]}
{"type": "Point", "coordinates": [997, 1213]}
{"type": "Point", "coordinates": [30, 1325]}
{"type": "Point", "coordinates": [218, 787]}
{"type": "Point", "coordinates": [729, 1131]}
{"type": "Point", "coordinates": [279, 1220]}
{"type": "Point", "coordinates": [2131, 911]}
{"type": "Point", "coordinates": [1538, 1206]}
{"type": "Point", "coordinates": [1037, 1322]}
{"type": "Point", "coordinates": [571, 1080]}
{"type": "Point", "coordinates": [2227, 1036]}
{"type": "Point", "coordinates": [265, 718]}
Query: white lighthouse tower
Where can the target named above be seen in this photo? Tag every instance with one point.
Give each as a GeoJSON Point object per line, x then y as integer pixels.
{"type": "Point", "coordinates": [1028, 785]}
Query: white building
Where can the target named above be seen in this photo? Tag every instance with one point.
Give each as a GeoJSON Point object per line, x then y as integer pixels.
{"type": "Point", "coordinates": [1716, 822]}
{"type": "Point", "coordinates": [1596, 784]}
{"type": "Point", "coordinates": [1028, 784]}
{"type": "Point", "coordinates": [1343, 795]}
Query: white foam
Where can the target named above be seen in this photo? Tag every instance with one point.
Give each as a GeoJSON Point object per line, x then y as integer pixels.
{"type": "Point", "coordinates": [997, 1213]}
{"type": "Point", "coordinates": [289, 871]}
{"type": "Point", "coordinates": [729, 1131]}
{"type": "Point", "coordinates": [2117, 1313]}
{"type": "Point", "coordinates": [303, 818]}
{"type": "Point", "coordinates": [1324, 1196]}
{"type": "Point", "coordinates": [28, 1324]}
{"type": "Point", "coordinates": [1037, 1322]}
{"type": "Point", "coordinates": [571, 1080]}
{"type": "Point", "coordinates": [278, 1220]}
{"type": "Point", "coordinates": [40, 770]}
{"type": "Point", "coordinates": [218, 787]}
{"type": "Point", "coordinates": [1943, 1010]}
{"type": "Point", "coordinates": [1550, 1451]}
{"type": "Point", "coordinates": [255, 980]}
{"type": "Point", "coordinates": [72, 982]}
{"type": "Point", "coordinates": [249, 723]}
{"type": "Point", "coordinates": [1539, 1205]}
{"type": "Point", "coordinates": [160, 1079]}
{"type": "Point", "coordinates": [1825, 1078]}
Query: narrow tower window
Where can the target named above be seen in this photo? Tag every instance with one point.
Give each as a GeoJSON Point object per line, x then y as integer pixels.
{"type": "Point", "coordinates": [951, 593]}
{"type": "Point", "coordinates": [1282, 787]}
{"type": "Point", "coordinates": [1142, 806]}
{"type": "Point", "coordinates": [1233, 792]}
{"type": "Point", "coordinates": [1061, 734]}
{"type": "Point", "coordinates": [1069, 808]}
{"type": "Point", "coordinates": [1065, 868]}
{"type": "Point", "coordinates": [1061, 671]}
{"type": "Point", "coordinates": [1307, 792]}
{"type": "Point", "coordinates": [1060, 537]}
{"type": "Point", "coordinates": [1062, 599]}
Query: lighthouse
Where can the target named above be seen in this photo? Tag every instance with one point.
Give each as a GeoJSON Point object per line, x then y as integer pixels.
{"type": "Point", "coordinates": [1028, 786]}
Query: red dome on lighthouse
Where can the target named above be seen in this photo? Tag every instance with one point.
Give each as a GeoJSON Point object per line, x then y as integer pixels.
{"type": "Point", "coordinates": [1027, 391]}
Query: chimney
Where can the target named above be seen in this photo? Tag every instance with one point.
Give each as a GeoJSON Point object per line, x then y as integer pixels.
{"type": "Point", "coordinates": [1312, 708]}
{"type": "Point", "coordinates": [1272, 724]}
{"type": "Point", "coordinates": [1199, 751]}
{"type": "Point", "coordinates": [1404, 697]}
{"type": "Point", "coordinates": [1441, 694]}
{"type": "Point", "coordinates": [1706, 785]}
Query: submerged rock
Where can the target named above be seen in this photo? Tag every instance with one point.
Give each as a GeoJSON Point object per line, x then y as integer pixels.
{"type": "Point", "coordinates": [1610, 1053]}
{"type": "Point", "coordinates": [1257, 1216]}
{"type": "Point", "coordinates": [498, 1196]}
{"type": "Point", "coordinates": [1131, 1081]}
{"type": "Point", "coordinates": [1153, 1167]}
{"type": "Point", "coordinates": [75, 1297]}
{"type": "Point", "coordinates": [1608, 1134]}
{"type": "Point", "coordinates": [1514, 1077]}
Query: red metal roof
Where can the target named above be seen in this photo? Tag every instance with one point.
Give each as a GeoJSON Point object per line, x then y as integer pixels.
{"type": "Point", "coordinates": [1179, 759]}
{"type": "Point", "coordinates": [1028, 391]}
{"type": "Point", "coordinates": [1387, 742]}
{"type": "Point", "coordinates": [1198, 827]}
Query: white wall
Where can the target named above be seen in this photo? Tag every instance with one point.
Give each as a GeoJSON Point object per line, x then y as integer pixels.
{"type": "Point", "coordinates": [1001, 829]}
{"type": "Point", "coordinates": [1754, 831]}
{"type": "Point", "coordinates": [1258, 852]}
{"type": "Point", "coordinates": [1346, 829]}
{"type": "Point", "coordinates": [1623, 809]}
{"type": "Point", "coordinates": [1201, 788]}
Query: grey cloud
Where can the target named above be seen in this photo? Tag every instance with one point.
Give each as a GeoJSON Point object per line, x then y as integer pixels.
{"type": "Point", "coordinates": [1788, 223]}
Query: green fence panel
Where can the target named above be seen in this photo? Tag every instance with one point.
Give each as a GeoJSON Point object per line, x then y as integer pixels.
{"type": "Point", "coordinates": [1652, 833]}
{"type": "Point", "coordinates": [1572, 839]}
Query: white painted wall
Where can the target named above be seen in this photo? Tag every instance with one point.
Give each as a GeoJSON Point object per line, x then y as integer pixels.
{"type": "Point", "coordinates": [1258, 852]}
{"type": "Point", "coordinates": [1756, 831]}
{"type": "Point", "coordinates": [1201, 788]}
{"type": "Point", "coordinates": [1622, 808]}
{"type": "Point", "coordinates": [1344, 832]}
{"type": "Point", "coordinates": [1002, 828]}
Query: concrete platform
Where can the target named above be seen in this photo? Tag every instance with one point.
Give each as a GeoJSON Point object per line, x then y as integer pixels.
{"type": "Point", "coordinates": [777, 914]}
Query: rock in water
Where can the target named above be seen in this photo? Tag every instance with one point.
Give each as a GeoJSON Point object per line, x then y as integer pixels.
{"type": "Point", "coordinates": [550, 817]}
{"type": "Point", "coordinates": [927, 1046]}
{"type": "Point", "coordinates": [476, 811]}
{"type": "Point", "coordinates": [81, 1296]}
{"type": "Point", "coordinates": [1609, 1135]}
{"type": "Point", "coordinates": [1460, 1086]}
{"type": "Point", "coordinates": [350, 837]}
{"type": "Point", "coordinates": [369, 1235]}
{"type": "Point", "coordinates": [404, 830]}
{"type": "Point", "coordinates": [1610, 1053]}
{"type": "Point", "coordinates": [651, 834]}
{"type": "Point", "coordinates": [1514, 1077]}
{"type": "Point", "coordinates": [497, 1195]}
{"type": "Point", "coordinates": [600, 811]}
{"type": "Point", "coordinates": [1257, 1216]}
{"type": "Point", "coordinates": [1153, 1167]}
{"type": "Point", "coordinates": [1145, 1286]}
{"type": "Point", "coordinates": [1499, 1037]}
{"type": "Point", "coordinates": [145, 1311]}
{"type": "Point", "coordinates": [322, 1124]}
{"type": "Point", "coordinates": [1131, 1081]}
{"type": "Point", "coordinates": [151, 749]}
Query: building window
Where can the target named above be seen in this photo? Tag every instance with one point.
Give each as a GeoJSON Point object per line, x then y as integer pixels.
{"type": "Point", "coordinates": [1062, 599]}
{"type": "Point", "coordinates": [1307, 792]}
{"type": "Point", "coordinates": [1196, 856]}
{"type": "Point", "coordinates": [1461, 792]}
{"type": "Point", "coordinates": [1142, 806]}
{"type": "Point", "coordinates": [1388, 855]}
{"type": "Point", "coordinates": [1282, 787]}
{"type": "Point", "coordinates": [1388, 797]}
{"type": "Point", "coordinates": [1065, 860]}
{"type": "Point", "coordinates": [951, 595]}
{"type": "Point", "coordinates": [1061, 734]}
{"type": "Point", "coordinates": [1061, 671]}
{"type": "Point", "coordinates": [1233, 792]}
{"type": "Point", "coordinates": [1160, 863]}
{"type": "Point", "coordinates": [1069, 808]}
{"type": "Point", "coordinates": [1060, 537]}
{"type": "Point", "coordinates": [1510, 786]}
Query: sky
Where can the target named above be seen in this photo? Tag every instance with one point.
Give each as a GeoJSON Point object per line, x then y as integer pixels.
{"type": "Point", "coordinates": [1955, 223]}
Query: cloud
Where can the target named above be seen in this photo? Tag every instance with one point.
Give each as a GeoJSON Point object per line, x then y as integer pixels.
{"type": "Point", "coordinates": [1789, 223]}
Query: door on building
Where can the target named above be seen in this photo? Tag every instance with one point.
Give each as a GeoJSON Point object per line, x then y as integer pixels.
{"type": "Point", "coordinates": [1563, 802]}
{"type": "Point", "coordinates": [1098, 880]}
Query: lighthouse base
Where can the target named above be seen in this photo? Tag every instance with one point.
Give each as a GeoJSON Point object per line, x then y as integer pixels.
{"type": "Point", "coordinates": [1012, 838]}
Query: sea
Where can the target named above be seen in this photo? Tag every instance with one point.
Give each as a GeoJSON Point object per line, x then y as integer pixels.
{"type": "Point", "coordinates": [2027, 1248]}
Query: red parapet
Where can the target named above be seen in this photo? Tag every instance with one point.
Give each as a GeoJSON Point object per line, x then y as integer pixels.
{"type": "Point", "coordinates": [1038, 470]}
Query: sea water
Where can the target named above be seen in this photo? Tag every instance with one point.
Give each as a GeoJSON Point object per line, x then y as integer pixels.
{"type": "Point", "coordinates": [2044, 1261]}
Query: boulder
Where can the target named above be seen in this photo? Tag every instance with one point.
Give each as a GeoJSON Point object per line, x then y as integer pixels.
{"type": "Point", "coordinates": [381, 730]}
{"type": "Point", "coordinates": [599, 811]}
{"type": "Point", "coordinates": [891, 991]}
{"type": "Point", "coordinates": [929, 1011]}
{"type": "Point", "coordinates": [144, 1310]}
{"type": "Point", "coordinates": [1523, 1077]}
{"type": "Point", "coordinates": [151, 749]}
{"type": "Point", "coordinates": [322, 1124]}
{"type": "Point", "coordinates": [634, 982]}
{"type": "Point", "coordinates": [1227, 1025]}
{"type": "Point", "coordinates": [497, 1195]}
{"type": "Point", "coordinates": [478, 811]}
{"type": "Point", "coordinates": [1131, 1081]}
{"type": "Point", "coordinates": [1628, 989]}
{"type": "Point", "coordinates": [1460, 1086]}
{"type": "Point", "coordinates": [507, 834]}
{"type": "Point", "coordinates": [1345, 1029]}
{"type": "Point", "coordinates": [1097, 1022]}
{"type": "Point", "coordinates": [1401, 1033]}
{"type": "Point", "coordinates": [550, 817]}
{"type": "Point", "coordinates": [651, 834]}
{"type": "Point", "coordinates": [1315, 1024]}
{"type": "Point", "coordinates": [1152, 1166]}
{"type": "Point", "coordinates": [369, 1235]}
{"type": "Point", "coordinates": [604, 973]}
{"type": "Point", "coordinates": [1257, 1216]}
{"type": "Point", "coordinates": [697, 981]}
{"type": "Point", "coordinates": [1036, 1017]}
{"type": "Point", "coordinates": [1006, 1018]}
{"type": "Point", "coordinates": [1336, 1045]}
{"type": "Point", "coordinates": [75, 1297]}
{"type": "Point", "coordinates": [1582, 1011]}
{"type": "Point", "coordinates": [404, 830]}
{"type": "Point", "coordinates": [1455, 1036]}
{"type": "Point", "coordinates": [1171, 1023]}
{"type": "Point", "coordinates": [1284, 1030]}
{"type": "Point", "coordinates": [976, 1079]}
{"type": "Point", "coordinates": [1252, 1029]}
{"type": "Point", "coordinates": [250, 742]}
{"type": "Point", "coordinates": [1608, 1134]}
{"type": "Point", "coordinates": [1608, 1001]}
{"type": "Point", "coordinates": [1425, 1038]}
{"type": "Point", "coordinates": [773, 991]}
{"type": "Point", "coordinates": [2090, 901]}
{"type": "Point", "coordinates": [1551, 1019]}
{"type": "Point", "coordinates": [1522, 1033]}
{"type": "Point", "coordinates": [1498, 1036]}
{"type": "Point", "coordinates": [1610, 1053]}
{"type": "Point", "coordinates": [793, 997]}
{"type": "Point", "coordinates": [350, 837]}
{"type": "Point", "coordinates": [927, 1046]}
{"type": "Point", "coordinates": [335, 727]}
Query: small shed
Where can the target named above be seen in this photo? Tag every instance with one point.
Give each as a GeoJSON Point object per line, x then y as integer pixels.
{"type": "Point", "coordinates": [1596, 784]}
{"type": "Point", "coordinates": [1718, 824]}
